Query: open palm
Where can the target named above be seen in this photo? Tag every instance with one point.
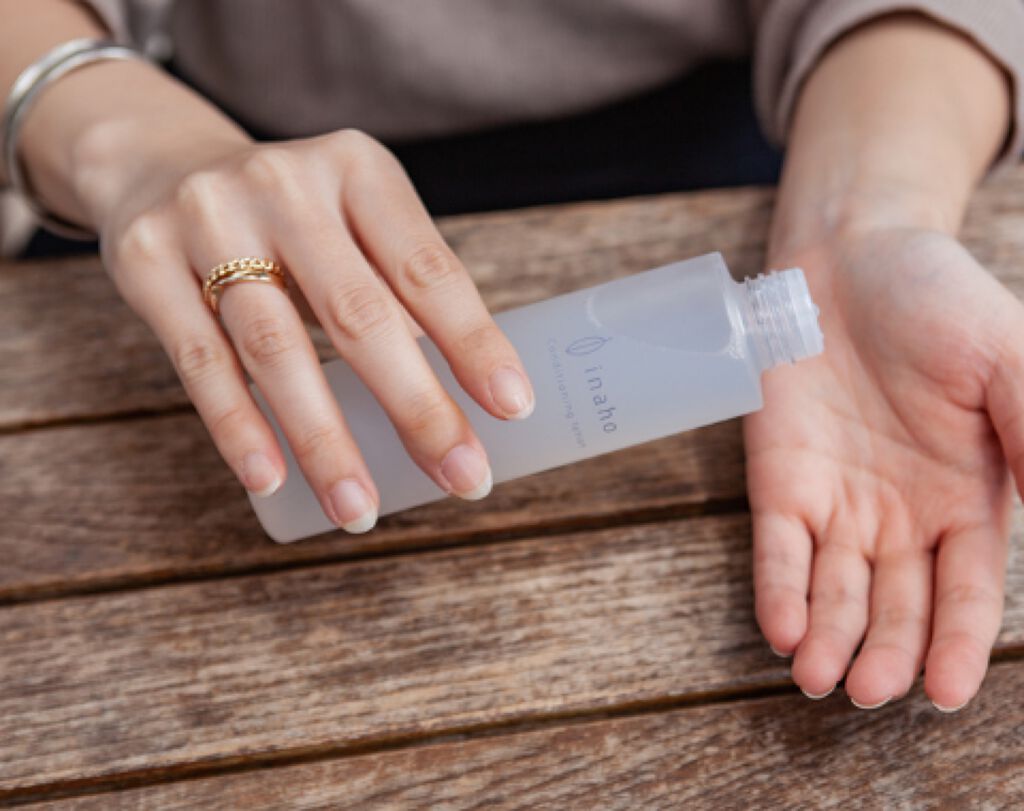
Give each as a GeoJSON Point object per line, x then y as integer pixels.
{"type": "Point", "coordinates": [878, 473]}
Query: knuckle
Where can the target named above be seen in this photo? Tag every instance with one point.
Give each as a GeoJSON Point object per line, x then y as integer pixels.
{"type": "Point", "coordinates": [275, 170]}
{"type": "Point", "coordinates": [430, 266]}
{"type": "Point", "coordinates": [904, 651]}
{"type": "Point", "coordinates": [899, 617]}
{"type": "Point", "coordinates": [197, 358]}
{"type": "Point", "coordinates": [836, 597]}
{"type": "Point", "coordinates": [353, 142]}
{"type": "Point", "coordinates": [832, 633]}
{"type": "Point", "coordinates": [361, 156]}
{"type": "Point", "coordinates": [201, 195]}
{"type": "Point", "coordinates": [315, 439]}
{"type": "Point", "coordinates": [268, 166]}
{"type": "Point", "coordinates": [143, 241]}
{"type": "Point", "coordinates": [360, 312]}
{"type": "Point", "coordinates": [968, 646]}
{"type": "Point", "coordinates": [479, 338]}
{"type": "Point", "coordinates": [782, 592]}
{"type": "Point", "coordinates": [266, 339]}
{"type": "Point", "coordinates": [968, 595]}
{"type": "Point", "coordinates": [226, 421]}
{"type": "Point", "coordinates": [132, 255]}
{"type": "Point", "coordinates": [423, 412]}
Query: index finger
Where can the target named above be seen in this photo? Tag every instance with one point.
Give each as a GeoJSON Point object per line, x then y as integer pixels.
{"type": "Point", "coordinates": [394, 229]}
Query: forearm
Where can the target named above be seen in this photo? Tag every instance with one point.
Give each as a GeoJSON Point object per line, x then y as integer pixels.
{"type": "Point", "coordinates": [94, 134]}
{"type": "Point", "coordinates": [896, 125]}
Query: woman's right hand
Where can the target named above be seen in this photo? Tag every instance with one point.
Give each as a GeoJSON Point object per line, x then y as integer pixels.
{"type": "Point", "coordinates": [341, 216]}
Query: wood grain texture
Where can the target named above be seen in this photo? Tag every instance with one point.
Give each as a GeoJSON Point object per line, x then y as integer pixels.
{"type": "Point", "coordinates": [779, 752]}
{"type": "Point", "coordinates": [332, 657]}
{"type": "Point", "coordinates": [91, 506]}
{"type": "Point", "coordinates": [274, 657]}
{"type": "Point", "coordinates": [350, 654]}
{"type": "Point", "coordinates": [70, 349]}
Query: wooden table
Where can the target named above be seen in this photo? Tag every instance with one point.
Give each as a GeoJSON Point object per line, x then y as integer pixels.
{"type": "Point", "coordinates": [582, 639]}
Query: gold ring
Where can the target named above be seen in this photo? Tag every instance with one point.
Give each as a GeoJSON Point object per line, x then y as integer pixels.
{"type": "Point", "coordinates": [247, 269]}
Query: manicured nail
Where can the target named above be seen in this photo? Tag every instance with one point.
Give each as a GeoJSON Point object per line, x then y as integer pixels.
{"type": "Point", "coordinates": [779, 653]}
{"type": "Point", "coordinates": [511, 393]}
{"type": "Point", "coordinates": [940, 708]}
{"type": "Point", "coordinates": [467, 473]}
{"type": "Point", "coordinates": [259, 475]}
{"type": "Point", "coordinates": [352, 507]}
{"type": "Point", "coordinates": [818, 697]}
{"type": "Point", "coordinates": [860, 706]}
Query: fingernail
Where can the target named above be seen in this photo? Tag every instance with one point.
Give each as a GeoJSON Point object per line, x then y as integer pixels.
{"type": "Point", "coordinates": [467, 473]}
{"type": "Point", "coordinates": [779, 653]}
{"type": "Point", "coordinates": [259, 476]}
{"type": "Point", "coordinates": [818, 697]}
{"type": "Point", "coordinates": [940, 708]}
{"type": "Point", "coordinates": [860, 706]}
{"type": "Point", "coordinates": [352, 506]}
{"type": "Point", "coordinates": [511, 393]}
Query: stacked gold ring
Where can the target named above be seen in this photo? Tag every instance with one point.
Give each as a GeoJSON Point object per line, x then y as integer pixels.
{"type": "Point", "coordinates": [246, 269]}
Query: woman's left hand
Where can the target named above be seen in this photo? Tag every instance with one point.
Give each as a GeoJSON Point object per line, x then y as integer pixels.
{"type": "Point", "coordinates": [878, 473]}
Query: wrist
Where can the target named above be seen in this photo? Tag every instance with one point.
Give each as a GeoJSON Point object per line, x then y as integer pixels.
{"type": "Point", "coordinates": [893, 129]}
{"type": "Point", "coordinates": [121, 165]}
{"type": "Point", "coordinates": [88, 152]}
{"type": "Point", "coordinates": [822, 212]}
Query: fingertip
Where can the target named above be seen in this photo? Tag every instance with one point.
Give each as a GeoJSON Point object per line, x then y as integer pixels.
{"type": "Point", "coordinates": [818, 696]}
{"type": "Point", "coordinates": [815, 670]}
{"type": "Point", "coordinates": [875, 678]}
{"type": "Point", "coordinates": [951, 681]}
{"type": "Point", "coordinates": [511, 393]}
{"type": "Point", "coordinates": [948, 697]}
{"type": "Point", "coordinates": [482, 490]}
{"type": "Point", "coordinates": [259, 475]}
{"type": "Point", "coordinates": [814, 686]}
{"type": "Point", "coordinates": [949, 710]}
{"type": "Point", "coordinates": [870, 705]}
{"type": "Point", "coordinates": [782, 557]}
{"type": "Point", "coordinates": [466, 473]}
{"type": "Point", "coordinates": [351, 507]}
{"type": "Point", "coordinates": [783, 623]}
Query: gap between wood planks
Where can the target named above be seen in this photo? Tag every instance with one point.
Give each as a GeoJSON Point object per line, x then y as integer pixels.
{"type": "Point", "coordinates": [443, 541]}
{"type": "Point", "coordinates": [98, 418]}
{"type": "Point", "coordinates": [313, 754]}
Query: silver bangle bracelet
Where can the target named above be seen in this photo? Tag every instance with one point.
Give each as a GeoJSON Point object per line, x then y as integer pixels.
{"type": "Point", "coordinates": [26, 89]}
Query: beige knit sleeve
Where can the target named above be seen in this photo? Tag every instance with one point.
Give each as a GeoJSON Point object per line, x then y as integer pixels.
{"type": "Point", "coordinates": [793, 34]}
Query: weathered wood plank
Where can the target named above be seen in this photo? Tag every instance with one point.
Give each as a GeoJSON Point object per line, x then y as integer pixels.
{"type": "Point", "coordinates": [70, 349]}
{"type": "Point", "coordinates": [780, 752]}
{"type": "Point", "coordinates": [322, 658]}
{"type": "Point", "coordinates": [360, 652]}
{"type": "Point", "coordinates": [88, 506]}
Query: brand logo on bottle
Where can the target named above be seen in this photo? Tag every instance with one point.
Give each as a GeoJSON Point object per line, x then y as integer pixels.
{"type": "Point", "coordinates": [594, 378]}
{"type": "Point", "coordinates": [586, 346]}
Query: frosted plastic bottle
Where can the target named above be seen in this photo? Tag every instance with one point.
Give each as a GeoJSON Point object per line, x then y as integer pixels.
{"type": "Point", "coordinates": [612, 366]}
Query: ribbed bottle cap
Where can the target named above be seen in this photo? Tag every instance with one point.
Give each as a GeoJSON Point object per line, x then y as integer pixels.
{"type": "Point", "coordinates": [807, 340]}
{"type": "Point", "coordinates": [785, 318]}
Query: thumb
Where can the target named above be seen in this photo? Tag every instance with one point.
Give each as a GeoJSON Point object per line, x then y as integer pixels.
{"type": "Point", "coordinates": [1004, 398]}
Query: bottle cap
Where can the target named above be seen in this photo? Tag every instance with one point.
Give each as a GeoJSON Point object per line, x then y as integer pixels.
{"type": "Point", "coordinates": [807, 340]}
{"type": "Point", "coordinates": [785, 318]}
